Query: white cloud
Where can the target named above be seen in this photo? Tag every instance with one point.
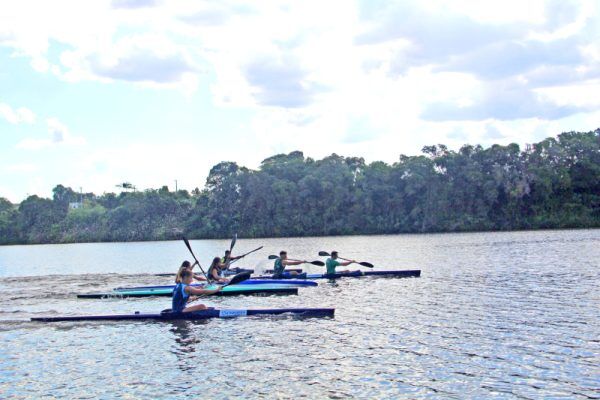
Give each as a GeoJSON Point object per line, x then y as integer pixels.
{"type": "Point", "coordinates": [133, 4]}
{"type": "Point", "coordinates": [16, 116]}
{"type": "Point", "coordinates": [366, 78]}
{"type": "Point", "coordinates": [21, 168]}
{"type": "Point", "coordinates": [59, 136]}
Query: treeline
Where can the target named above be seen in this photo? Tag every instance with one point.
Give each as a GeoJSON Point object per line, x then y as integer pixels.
{"type": "Point", "coordinates": [552, 184]}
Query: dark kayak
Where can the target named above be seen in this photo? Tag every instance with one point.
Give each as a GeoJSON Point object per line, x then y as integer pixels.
{"type": "Point", "coordinates": [355, 274]}
{"type": "Point", "coordinates": [205, 314]}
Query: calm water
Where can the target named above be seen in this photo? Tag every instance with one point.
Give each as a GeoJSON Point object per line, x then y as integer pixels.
{"type": "Point", "coordinates": [506, 315]}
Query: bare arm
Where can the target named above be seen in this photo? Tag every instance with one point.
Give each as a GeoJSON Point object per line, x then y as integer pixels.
{"type": "Point", "coordinates": [199, 291]}
{"type": "Point", "coordinates": [288, 262]}
{"type": "Point", "coordinates": [343, 264]}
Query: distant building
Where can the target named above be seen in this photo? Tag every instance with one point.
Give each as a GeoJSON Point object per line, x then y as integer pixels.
{"type": "Point", "coordinates": [75, 205]}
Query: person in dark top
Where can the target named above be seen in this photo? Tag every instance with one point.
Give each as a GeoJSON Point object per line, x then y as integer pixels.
{"type": "Point", "coordinates": [183, 291]}
{"type": "Point", "coordinates": [214, 272]}
{"type": "Point", "coordinates": [227, 259]}
{"type": "Point", "coordinates": [281, 263]}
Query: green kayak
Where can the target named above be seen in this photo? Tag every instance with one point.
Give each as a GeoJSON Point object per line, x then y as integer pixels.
{"type": "Point", "coordinates": [233, 290]}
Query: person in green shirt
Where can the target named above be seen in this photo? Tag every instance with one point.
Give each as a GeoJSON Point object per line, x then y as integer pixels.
{"type": "Point", "coordinates": [281, 263]}
{"type": "Point", "coordinates": [227, 259]}
{"type": "Point", "coordinates": [333, 262]}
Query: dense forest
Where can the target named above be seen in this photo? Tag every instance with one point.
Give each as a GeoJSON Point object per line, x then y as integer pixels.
{"type": "Point", "coordinates": [551, 184]}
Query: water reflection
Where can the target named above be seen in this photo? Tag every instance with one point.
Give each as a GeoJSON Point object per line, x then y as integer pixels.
{"type": "Point", "coordinates": [187, 341]}
{"type": "Point", "coordinates": [510, 315]}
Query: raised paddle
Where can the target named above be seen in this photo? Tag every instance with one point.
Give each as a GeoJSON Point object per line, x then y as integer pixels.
{"type": "Point", "coordinates": [233, 242]}
{"type": "Point", "coordinates": [319, 263]}
{"type": "Point", "coordinates": [244, 255]}
{"type": "Point", "coordinates": [363, 263]}
{"type": "Point", "coordinates": [231, 248]}
{"type": "Point", "coordinates": [187, 243]}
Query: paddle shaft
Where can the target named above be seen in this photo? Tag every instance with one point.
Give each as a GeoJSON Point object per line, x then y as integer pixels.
{"type": "Point", "coordinates": [187, 244]}
{"type": "Point", "coordinates": [244, 255]}
{"type": "Point", "coordinates": [363, 263]}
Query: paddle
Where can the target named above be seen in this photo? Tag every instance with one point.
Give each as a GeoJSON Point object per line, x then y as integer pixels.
{"type": "Point", "coordinates": [241, 277]}
{"type": "Point", "coordinates": [319, 263]}
{"type": "Point", "coordinates": [187, 243]}
{"type": "Point", "coordinates": [227, 262]}
{"type": "Point", "coordinates": [244, 255]}
{"type": "Point", "coordinates": [363, 263]}
{"type": "Point", "coordinates": [233, 242]}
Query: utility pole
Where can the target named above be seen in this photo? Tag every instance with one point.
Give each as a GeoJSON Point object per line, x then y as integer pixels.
{"type": "Point", "coordinates": [175, 185]}
{"type": "Point", "coordinates": [81, 196]}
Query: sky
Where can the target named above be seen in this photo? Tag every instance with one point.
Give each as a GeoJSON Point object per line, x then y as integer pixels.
{"type": "Point", "coordinates": [96, 93]}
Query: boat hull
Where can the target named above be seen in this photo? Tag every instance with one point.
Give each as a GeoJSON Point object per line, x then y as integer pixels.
{"type": "Point", "coordinates": [410, 273]}
{"type": "Point", "coordinates": [197, 315]}
{"type": "Point", "coordinates": [234, 290]}
{"type": "Point", "coordinates": [283, 282]}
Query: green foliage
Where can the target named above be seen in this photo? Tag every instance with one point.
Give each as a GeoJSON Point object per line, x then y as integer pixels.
{"type": "Point", "coordinates": [552, 184]}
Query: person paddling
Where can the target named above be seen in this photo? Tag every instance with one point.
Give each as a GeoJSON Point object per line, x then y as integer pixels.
{"type": "Point", "coordinates": [332, 263]}
{"type": "Point", "coordinates": [281, 263]}
{"type": "Point", "coordinates": [214, 272]}
{"type": "Point", "coordinates": [183, 291]}
{"type": "Point", "coordinates": [187, 265]}
{"type": "Point", "coordinates": [227, 259]}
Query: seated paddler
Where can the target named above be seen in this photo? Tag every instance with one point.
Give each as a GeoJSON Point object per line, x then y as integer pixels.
{"type": "Point", "coordinates": [332, 263]}
{"type": "Point", "coordinates": [183, 292]}
{"type": "Point", "coordinates": [279, 271]}
{"type": "Point", "coordinates": [215, 272]}
{"type": "Point", "coordinates": [187, 265]}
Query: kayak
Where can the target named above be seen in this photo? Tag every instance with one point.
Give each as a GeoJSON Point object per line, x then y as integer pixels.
{"type": "Point", "coordinates": [232, 290]}
{"type": "Point", "coordinates": [204, 314]}
{"type": "Point", "coordinates": [235, 271]}
{"type": "Point", "coordinates": [271, 271]}
{"type": "Point", "coordinates": [282, 282]}
{"type": "Point", "coordinates": [357, 274]}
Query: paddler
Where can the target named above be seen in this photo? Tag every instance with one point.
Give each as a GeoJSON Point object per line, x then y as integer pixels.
{"type": "Point", "coordinates": [281, 263]}
{"type": "Point", "coordinates": [187, 265]}
{"type": "Point", "coordinates": [214, 271]}
{"type": "Point", "coordinates": [227, 259]}
{"type": "Point", "coordinates": [183, 291]}
{"type": "Point", "coordinates": [332, 262]}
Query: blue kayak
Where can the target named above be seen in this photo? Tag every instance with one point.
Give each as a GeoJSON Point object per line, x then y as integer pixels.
{"type": "Point", "coordinates": [283, 282]}
{"type": "Point", "coordinates": [353, 274]}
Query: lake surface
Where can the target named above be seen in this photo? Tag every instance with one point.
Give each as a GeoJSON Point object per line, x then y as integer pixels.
{"type": "Point", "coordinates": [506, 315]}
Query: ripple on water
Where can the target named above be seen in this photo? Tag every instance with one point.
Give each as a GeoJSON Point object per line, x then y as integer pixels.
{"type": "Point", "coordinates": [510, 315]}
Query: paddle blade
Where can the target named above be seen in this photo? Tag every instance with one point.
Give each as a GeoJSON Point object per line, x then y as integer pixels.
{"type": "Point", "coordinates": [366, 264]}
{"type": "Point", "coordinates": [324, 254]}
{"type": "Point", "coordinates": [319, 263]}
{"type": "Point", "coordinates": [273, 257]}
{"type": "Point", "coordinates": [233, 242]}
{"type": "Point", "coordinates": [187, 243]}
{"type": "Point", "coordinates": [241, 277]}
